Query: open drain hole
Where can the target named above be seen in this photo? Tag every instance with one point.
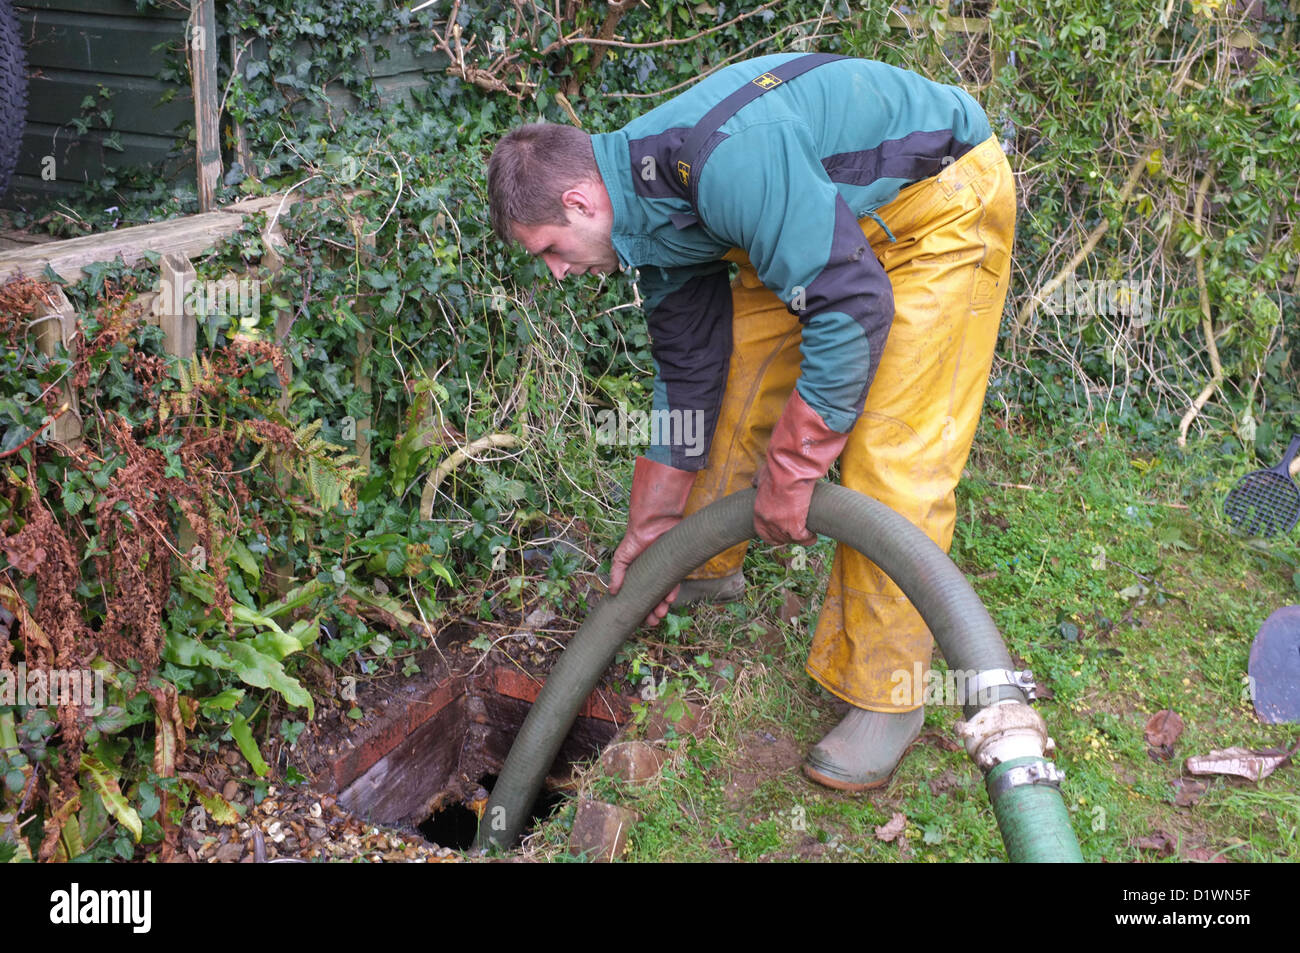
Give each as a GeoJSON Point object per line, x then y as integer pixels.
{"type": "Point", "coordinates": [433, 777]}
{"type": "Point", "coordinates": [456, 825]}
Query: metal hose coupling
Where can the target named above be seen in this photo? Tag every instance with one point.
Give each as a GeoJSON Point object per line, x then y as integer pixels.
{"type": "Point", "coordinates": [1005, 730]}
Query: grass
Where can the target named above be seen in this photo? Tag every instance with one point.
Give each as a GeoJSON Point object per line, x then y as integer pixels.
{"type": "Point", "coordinates": [1111, 576]}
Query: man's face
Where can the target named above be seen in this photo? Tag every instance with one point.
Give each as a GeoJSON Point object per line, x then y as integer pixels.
{"type": "Point", "coordinates": [579, 248]}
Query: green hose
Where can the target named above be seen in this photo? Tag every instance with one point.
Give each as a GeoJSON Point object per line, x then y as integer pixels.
{"type": "Point", "coordinates": [958, 620]}
{"type": "Point", "coordinates": [1032, 817]}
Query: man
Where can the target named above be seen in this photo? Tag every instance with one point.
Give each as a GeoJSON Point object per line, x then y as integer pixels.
{"type": "Point", "coordinates": [871, 213]}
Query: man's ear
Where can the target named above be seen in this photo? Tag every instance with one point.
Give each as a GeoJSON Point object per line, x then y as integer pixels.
{"type": "Point", "coordinates": [580, 199]}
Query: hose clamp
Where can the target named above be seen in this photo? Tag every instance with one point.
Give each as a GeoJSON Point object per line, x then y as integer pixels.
{"type": "Point", "coordinates": [1040, 772]}
{"type": "Point", "coordinates": [993, 677]}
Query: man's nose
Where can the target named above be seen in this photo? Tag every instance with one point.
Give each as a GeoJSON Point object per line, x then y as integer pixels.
{"type": "Point", "coordinates": [558, 268]}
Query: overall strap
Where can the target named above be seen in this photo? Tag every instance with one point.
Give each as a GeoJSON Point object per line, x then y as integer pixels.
{"type": "Point", "coordinates": [690, 158]}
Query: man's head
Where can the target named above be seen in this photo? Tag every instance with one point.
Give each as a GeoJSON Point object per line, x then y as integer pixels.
{"type": "Point", "coordinates": [546, 193]}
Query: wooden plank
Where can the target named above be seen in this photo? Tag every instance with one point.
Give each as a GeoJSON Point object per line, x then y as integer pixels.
{"type": "Point", "coordinates": [30, 193]}
{"type": "Point", "coordinates": [118, 8]}
{"type": "Point", "coordinates": [85, 157]}
{"type": "Point", "coordinates": [55, 323]}
{"type": "Point", "coordinates": [188, 236]}
{"type": "Point", "coordinates": [394, 89]}
{"type": "Point", "coordinates": [17, 238]}
{"type": "Point", "coordinates": [403, 57]}
{"type": "Point", "coordinates": [121, 45]}
{"type": "Point", "coordinates": [207, 100]}
{"type": "Point", "coordinates": [55, 96]}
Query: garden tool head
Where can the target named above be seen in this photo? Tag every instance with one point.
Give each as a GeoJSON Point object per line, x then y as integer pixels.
{"type": "Point", "coordinates": [1266, 502]}
{"type": "Point", "coordinates": [1275, 667]}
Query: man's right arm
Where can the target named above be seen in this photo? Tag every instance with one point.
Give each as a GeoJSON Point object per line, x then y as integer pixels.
{"type": "Point", "coordinates": [688, 315]}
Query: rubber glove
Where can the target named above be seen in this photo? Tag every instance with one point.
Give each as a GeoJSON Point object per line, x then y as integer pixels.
{"type": "Point", "coordinates": [800, 452]}
{"type": "Point", "coordinates": [659, 495]}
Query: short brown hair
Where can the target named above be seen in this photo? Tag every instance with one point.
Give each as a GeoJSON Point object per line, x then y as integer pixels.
{"type": "Point", "coordinates": [530, 168]}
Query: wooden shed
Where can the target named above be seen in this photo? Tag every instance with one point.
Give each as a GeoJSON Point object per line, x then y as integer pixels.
{"type": "Point", "coordinates": [98, 99]}
{"type": "Point", "coordinates": [95, 99]}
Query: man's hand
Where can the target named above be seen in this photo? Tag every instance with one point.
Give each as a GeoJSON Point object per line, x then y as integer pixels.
{"type": "Point", "coordinates": [781, 513]}
{"type": "Point", "coordinates": [659, 495]}
{"type": "Point", "coordinates": [626, 554]}
{"type": "Point", "coordinates": [800, 452]}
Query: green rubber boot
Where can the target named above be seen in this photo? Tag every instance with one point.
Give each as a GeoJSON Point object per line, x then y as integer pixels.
{"type": "Point", "coordinates": [862, 751]}
{"type": "Point", "coordinates": [727, 589]}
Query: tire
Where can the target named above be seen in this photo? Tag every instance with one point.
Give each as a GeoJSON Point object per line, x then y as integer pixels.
{"type": "Point", "coordinates": [13, 93]}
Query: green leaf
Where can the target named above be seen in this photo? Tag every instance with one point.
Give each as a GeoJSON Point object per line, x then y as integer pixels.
{"type": "Point", "coordinates": [149, 800]}
{"type": "Point", "coordinates": [113, 719]}
{"type": "Point", "coordinates": [243, 736]}
{"type": "Point", "coordinates": [440, 570]}
{"type": "Point", "coordinates": [395, 562]}
{"type": "Point", "coordinates": [253, 667]}
{"type": "Point", "coordinates": [223, 701]}
{"type": "Point", "coordinates": [245, 559]}
{"type": "Point", "coordinates": [73, 501]}
{"type": "Point", "coordinates": [218, 808]}
{"type": "Point", "coordinates": [262, 671]}
{"type": "Point", "coordinates": [112, 796]}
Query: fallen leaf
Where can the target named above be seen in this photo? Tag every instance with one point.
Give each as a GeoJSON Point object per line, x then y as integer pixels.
{"type": "Point", "coordinates": [891, 830]}
{"type": "Point", "coordinates": [1160, 842]}
{"type": "Point", "coordinates": [1242, 762]}
{"type": "Point", "coordinates": [1188, 791]}
{"type": "Point", "coordinates": [1164, 728]}
{"type": "Point", "coordinates": [791, 608]}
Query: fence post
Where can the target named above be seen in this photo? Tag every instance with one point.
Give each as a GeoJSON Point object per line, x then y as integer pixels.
{"type": "Point", "coordinates": [180, 337]}
{"type": "Point", "coordinates": [180, 330]}
{"type": "Point", "coordinates": [56, 323]}
{"type": "Point", "coordinates": [207, 100]}
{"type": "Point", "coordinates": [279, 568]}
{"type": "Point", "coordinates": [365, 345]}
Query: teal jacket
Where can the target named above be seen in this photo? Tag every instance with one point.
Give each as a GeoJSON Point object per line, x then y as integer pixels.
{"type": "Point", "coordinates": [789, 177]}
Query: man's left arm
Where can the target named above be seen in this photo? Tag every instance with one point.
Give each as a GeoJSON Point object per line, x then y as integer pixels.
{"type": "Point", "coordinates": [765, 190]}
